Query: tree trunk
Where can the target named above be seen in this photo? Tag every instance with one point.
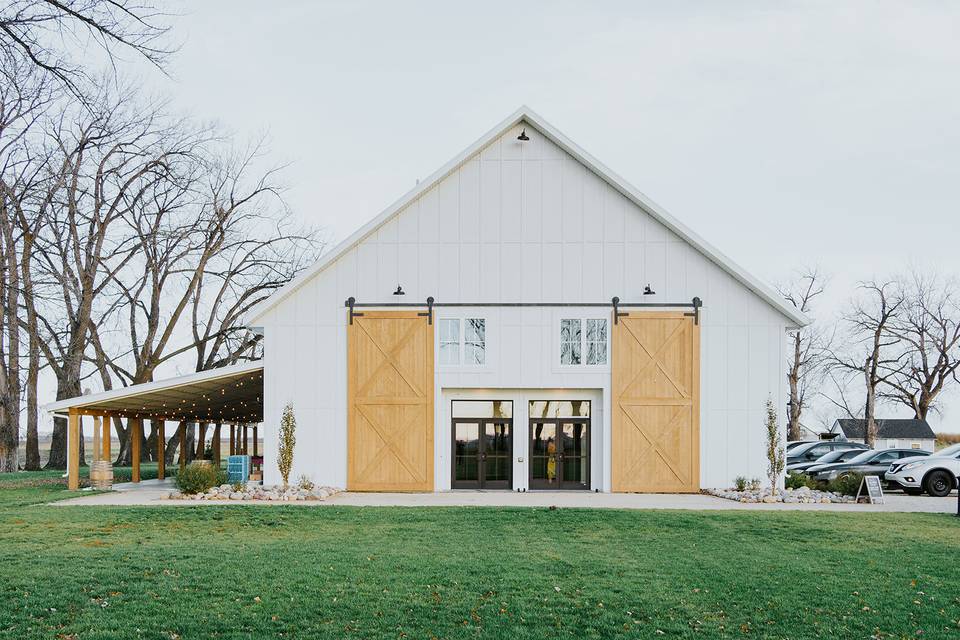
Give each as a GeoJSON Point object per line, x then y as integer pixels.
{"type": "Point", "coordinates": [32, 462]}
{"type": "Point", "coordinates": [58, 442]}
{"type": "Point", "coordinates": [870, 435]}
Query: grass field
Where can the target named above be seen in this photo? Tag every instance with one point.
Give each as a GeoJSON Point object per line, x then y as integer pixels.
{"type": "Point", "coordinates": [285, 571]}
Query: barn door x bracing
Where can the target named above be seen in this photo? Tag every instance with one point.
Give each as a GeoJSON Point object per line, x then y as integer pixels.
{"type": "Point", "coordinates": [390, 402]}
{"type": "Point", "coordinates": [656, 403]}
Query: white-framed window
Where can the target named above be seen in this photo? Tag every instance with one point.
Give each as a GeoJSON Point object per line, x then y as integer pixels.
{"type": "Point", "coordinates": [583, 341]}
{"type": "Point", "coordinates": [463, 341]}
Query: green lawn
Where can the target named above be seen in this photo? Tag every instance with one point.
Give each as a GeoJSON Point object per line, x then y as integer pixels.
{"type": "Point", "coordinates": [242, 571]}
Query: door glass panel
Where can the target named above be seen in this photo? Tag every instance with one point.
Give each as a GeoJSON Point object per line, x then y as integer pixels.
{"type": "Point", "coordinates": [466, 448]}
{"type": "Point", "coordinates": [496, 469]}
{"type": "Point", "coordinates": [497, 439]}
{"type": "Point", "coordinates": [482, 409]}
{"type": "Point", "coordinates": [543, 459]}
{"type": "Point", "coordinates": [573, 443]}
{"type": "Point", "coordinates": [573, 439]}
{"type": "Point", "coordinates": [559, 408]}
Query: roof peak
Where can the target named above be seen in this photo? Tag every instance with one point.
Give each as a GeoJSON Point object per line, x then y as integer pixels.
{"type": "Point", "coordinates": [527, 114]}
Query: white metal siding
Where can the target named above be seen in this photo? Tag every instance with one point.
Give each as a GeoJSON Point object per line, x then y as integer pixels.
{"type": "Point", "coordinates": [523, 222]}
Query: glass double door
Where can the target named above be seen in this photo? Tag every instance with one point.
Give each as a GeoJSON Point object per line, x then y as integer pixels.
{"type": "Point", "coordinates": [560, 453]}
{"type": "Point", "coordinates": [482, 453]}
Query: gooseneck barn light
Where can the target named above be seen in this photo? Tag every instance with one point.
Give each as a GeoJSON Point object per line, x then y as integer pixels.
{"type": "Point", "coordinates": [523, 135]}
{"type": "Point", "coordinates": [399, 291]}
{"type": "Point", "coordinates": [647, 291]}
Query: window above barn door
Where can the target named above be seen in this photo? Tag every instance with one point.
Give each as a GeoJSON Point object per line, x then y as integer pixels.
{"type": "Point", "coordinates": [463, 341]}
{"type": "Point", "coordinates": [583, 341]}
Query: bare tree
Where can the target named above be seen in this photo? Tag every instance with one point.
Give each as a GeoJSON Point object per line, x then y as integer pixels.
{"type": "Point", "coordinates": [210, 242]}
{"type": "Point", "coordinates": [928, 328]}
{"type": "Point", "coordinates": [809, 348]}
{"type": "Point", "coordinates": [24, 98]}
{"type": "Point", "coordinates": [874, 354]}
{"type": "Point", "coordinates": [53, 36]}
{"type": "Point", "coordinates": [108, 156]}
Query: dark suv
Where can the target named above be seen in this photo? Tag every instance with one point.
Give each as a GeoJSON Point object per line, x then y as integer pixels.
{"type": "Point", "coordinates": [868, 463]}
{"type": "Point", "coordinates": [810, 451]}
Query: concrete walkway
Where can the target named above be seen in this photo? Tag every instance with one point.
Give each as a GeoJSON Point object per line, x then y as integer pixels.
{"type": "Point", "coordinates": [154, 492]}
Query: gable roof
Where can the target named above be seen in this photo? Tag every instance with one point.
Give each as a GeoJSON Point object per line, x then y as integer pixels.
{"type": "Point", "coordinates": [893, 428]}
{"type": "Point", "coordinates": [529, 117]}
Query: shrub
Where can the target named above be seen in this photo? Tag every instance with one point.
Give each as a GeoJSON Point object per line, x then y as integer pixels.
{"type": "Point", "coordinates": [797, 480]}
{"type": "Point", "coordinates": [846, 485]}
{"type": "Point", "coordinates": [199, 478]}
{"type": "Point", "coordinates": [288, 440]}
{"type": "Point", "coordinates": [740, 483]}
{"type": "Point", "coordinates": [754, 484]}
{"type": "Point", "coordinates": [304, 482]}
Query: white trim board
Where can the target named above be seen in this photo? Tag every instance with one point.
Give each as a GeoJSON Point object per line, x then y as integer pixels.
{"type": "Point", "coordinates": [529, 117]}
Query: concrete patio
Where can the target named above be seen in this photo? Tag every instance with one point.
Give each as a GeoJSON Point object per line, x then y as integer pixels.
{"type": "Point", "coordinates": [154, 493]}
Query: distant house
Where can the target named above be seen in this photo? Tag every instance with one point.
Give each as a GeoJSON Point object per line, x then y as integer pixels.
{"type": "Point", "coordinates": [807, 433]}
{"type": "Point", "coordinates": [891, 434]}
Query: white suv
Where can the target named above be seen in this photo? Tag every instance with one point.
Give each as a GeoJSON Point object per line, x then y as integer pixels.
{"type": "Point", "coordinates": [936, 474]}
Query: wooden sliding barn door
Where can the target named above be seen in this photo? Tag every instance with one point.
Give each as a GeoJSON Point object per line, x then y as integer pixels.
{"type": "Point", "coordinates": [656, 403]}
{"type": "Point", "coordinates": [390, 402]}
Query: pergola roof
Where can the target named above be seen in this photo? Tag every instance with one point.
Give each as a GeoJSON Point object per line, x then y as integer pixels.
{"type": "Point", "coordinates": [231, 394]}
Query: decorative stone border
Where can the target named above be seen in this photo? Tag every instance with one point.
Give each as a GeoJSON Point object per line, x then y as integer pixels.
{"type": "Point", "coordinates": [256, 491]}
{"type": "Point", "coordinates": [803, 495]}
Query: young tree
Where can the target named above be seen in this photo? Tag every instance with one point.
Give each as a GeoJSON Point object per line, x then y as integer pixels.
{"type": "Point", "coordinates": [874, 354]}
{"type": "Point", "coordinates": [775, 451]}
{"type": "Point", "coordinates": [288, 440]}
{"type": "Point", "coordinates": [928, 329]}
{"type": "Point", "coordinates": [809, 347]}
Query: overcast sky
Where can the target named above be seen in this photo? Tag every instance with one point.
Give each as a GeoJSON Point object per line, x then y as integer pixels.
{"type": "Point", "coordinates": [786, 134]}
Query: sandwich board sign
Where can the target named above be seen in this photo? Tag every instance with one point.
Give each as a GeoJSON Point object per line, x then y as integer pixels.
{"type": "Point", "coordinates": [874, 491]}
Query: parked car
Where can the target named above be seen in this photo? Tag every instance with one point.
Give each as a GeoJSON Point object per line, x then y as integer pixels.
{"type": "Point", "coordinates": [935, 473]}
{"type": "Point", "coordinates": [837, 455]}
{"type": "Point", "coordinates": [810, 451]}
{"type": "Point", "coordinates": [794, 443]}
{"type": "Point", "coordinates": [868, 463]}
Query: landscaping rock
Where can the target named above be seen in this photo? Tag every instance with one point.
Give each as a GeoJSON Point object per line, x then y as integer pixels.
{"type": "Point", "coordinates": [803, 495]}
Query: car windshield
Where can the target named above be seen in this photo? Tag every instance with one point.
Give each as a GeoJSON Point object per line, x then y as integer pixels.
{"type": "Point", "coordinates": [801, 449]}
{"type": "Point", "coordinates": [834, 456]}
{"type": "Point", "coordinates": [950, 451]}
{"type": "Point", "coordinates": [866, 456]}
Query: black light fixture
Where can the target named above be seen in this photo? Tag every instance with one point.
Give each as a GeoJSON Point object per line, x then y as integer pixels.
{"type": "Point", "coordinates": [523, 135]}
{"type": "Point", "coordinates": [399, 291]}
{"type": "Point", "coordinates": [647, 291]}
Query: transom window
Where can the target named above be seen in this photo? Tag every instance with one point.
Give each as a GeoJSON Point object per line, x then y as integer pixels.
{"type": "Point", "coordinates": [463, 341]}
{"type": "Point", "coordinates": [583, 341]}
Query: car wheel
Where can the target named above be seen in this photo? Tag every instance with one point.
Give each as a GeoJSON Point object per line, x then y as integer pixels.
{"type": "Point", "coordinates": [938, 484]}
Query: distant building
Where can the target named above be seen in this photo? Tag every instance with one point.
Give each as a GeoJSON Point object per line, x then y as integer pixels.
{"type": "Point", "coordinates": [891, 434]}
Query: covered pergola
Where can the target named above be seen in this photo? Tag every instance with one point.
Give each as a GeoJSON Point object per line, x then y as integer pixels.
{"type": "Point", "coordinates": [231, 396]}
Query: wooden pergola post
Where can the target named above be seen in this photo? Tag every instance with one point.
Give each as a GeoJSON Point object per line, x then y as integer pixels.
{"type": "Point", "coordinates": [96, 439]}
{"type": "Point", "coordinates": [216, 444]}
{"type": "Point", "coordinates": [183, 445]}
{"type": "Point", "coordinates": [233, 440]}
{"type": "Point", "coordinates": [106, 437]}
{"type": "Point", "coordinates": [254, 440]}
{"type": "Point", "coordinates": [245, 430]}
{"type": "Point", "coordinates": [73, 449]}
{"type": "Point", "coordinates": [161, 445]}
{"type": "Point", "coordinates": [137, 435]}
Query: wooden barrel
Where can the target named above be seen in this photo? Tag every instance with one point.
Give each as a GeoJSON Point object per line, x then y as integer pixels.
{"type": "Point", "coordinates": [101, 474]}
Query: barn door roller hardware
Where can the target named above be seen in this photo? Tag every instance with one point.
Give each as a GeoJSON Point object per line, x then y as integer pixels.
{"type": "Point", "coordinates": [351, 302]}
{"type": "Point", "coordinates": [697, 303]}
{"type": "Point", "coordinates": [429, 313]}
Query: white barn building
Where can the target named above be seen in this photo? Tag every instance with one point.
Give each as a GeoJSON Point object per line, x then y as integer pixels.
{"type": "Point", "coordinates": [556, 330]}
{"type": "Point", "coordinates": [522, 241]}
